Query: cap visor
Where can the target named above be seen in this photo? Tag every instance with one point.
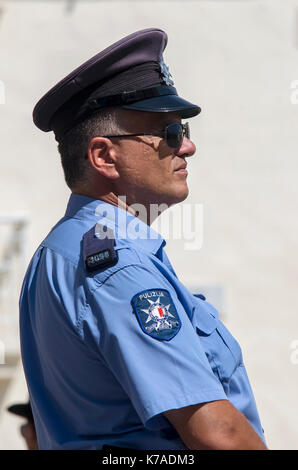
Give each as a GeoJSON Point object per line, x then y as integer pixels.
{"type": "Point", "coordinates": [166, 104]}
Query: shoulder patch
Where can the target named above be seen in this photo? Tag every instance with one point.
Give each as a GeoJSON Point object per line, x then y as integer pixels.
{"type": "Point", "coordinates": [156, 313]}
{"type": "Point", "coordinates": [99, 252]}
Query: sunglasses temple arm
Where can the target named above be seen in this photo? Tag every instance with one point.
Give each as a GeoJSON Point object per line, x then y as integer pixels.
{"type": "Point", "coordinates": [135, 135]}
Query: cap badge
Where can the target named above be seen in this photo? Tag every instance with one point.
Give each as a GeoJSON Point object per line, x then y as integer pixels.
{"type": "Point", "coordinates": [165, 73]}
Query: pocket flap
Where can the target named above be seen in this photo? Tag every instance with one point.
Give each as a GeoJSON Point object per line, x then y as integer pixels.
{"type": "Point", "coordinates": [205, 316]}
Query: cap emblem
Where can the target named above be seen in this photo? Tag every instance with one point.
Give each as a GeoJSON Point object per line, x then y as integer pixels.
{"type": "Point", "coordinates": [165, 73]}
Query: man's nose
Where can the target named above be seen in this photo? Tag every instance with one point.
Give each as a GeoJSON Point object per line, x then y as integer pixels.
{"type": "Point", "coordinates": [187, 148]}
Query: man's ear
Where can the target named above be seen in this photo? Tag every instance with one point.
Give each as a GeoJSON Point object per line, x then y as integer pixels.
{"type": "Point", "coordinates": [102, 157]}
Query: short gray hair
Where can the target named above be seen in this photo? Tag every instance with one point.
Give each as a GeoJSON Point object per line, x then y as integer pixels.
{"type": "Point", "coordinates": [73, 147]}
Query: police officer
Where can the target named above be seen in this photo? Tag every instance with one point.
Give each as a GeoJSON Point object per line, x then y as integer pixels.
{"type": "Point", "coordinates": [116, 351]}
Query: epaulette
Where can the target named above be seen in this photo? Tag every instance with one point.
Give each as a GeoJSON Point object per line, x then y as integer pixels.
{"type": "Point", "coordinates": [99, 252]}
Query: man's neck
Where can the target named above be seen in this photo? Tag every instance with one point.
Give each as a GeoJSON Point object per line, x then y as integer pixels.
{"type": "Point", "coordinates": [110, 198]}
{"type": "Point", "coordinates": [140, 210]}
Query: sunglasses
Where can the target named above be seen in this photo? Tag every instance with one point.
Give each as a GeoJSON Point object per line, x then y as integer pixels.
{"type": "Point", "coordinates": [173, 133]}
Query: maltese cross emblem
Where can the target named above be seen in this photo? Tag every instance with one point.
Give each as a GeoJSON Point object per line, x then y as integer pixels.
{"type": "Point", "coordinates": [156, 313]}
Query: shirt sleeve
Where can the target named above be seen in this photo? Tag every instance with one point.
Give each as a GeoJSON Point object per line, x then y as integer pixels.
{"type": "Point", "coordinates": [157, 373]}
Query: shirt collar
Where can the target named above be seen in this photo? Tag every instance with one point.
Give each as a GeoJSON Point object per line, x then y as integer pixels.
{"type": "Point", "coordinates": [127, 228]}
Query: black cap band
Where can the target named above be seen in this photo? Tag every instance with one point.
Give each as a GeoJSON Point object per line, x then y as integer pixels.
{"type": "Point", "coordinates": [127, 97]}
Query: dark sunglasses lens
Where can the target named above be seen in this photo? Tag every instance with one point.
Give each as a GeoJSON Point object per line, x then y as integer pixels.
{"type": "Point", "coordinates": [174, 135]}
{"type": "Point", "coordinates": [186, 130]}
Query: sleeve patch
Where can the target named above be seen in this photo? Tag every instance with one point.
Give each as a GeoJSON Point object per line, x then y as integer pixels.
{"type": "Point", "coordinates": [156, 313]}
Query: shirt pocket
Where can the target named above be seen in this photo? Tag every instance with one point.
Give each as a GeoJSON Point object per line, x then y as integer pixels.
{"type": "Point", "coordinates": [221, 348]}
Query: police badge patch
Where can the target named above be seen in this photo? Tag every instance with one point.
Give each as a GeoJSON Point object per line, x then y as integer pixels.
{"type": "Point", "coordinates": [156, 313]}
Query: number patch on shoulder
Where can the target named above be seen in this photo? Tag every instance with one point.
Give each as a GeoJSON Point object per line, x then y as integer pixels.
{"type": "Point", "coordinates": [156, 313]}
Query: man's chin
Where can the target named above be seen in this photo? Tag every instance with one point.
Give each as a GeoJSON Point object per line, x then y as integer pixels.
{"type": "Point", "coordinates": [178, 196]}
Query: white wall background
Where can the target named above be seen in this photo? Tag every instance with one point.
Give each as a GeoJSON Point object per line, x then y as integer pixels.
{"type": "Point", "coordinates": [236, 59]}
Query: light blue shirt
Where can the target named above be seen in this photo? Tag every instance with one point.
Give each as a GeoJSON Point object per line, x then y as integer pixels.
{"type": "Point", "coordinates": [106, 352]}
